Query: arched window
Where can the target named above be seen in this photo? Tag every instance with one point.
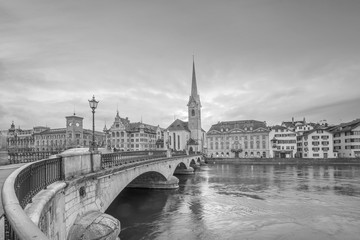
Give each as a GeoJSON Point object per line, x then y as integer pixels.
{"type": "Point", "coordinates": [192, 112]}
{"type": "Point", "coordinates": [113, 134]}
{"type": "Point", "coordinates": [117, 134]}
{"type": "Point", "coordinates": [122, 134]}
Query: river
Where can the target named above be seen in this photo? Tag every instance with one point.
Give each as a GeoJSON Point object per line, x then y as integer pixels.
{"type": "Point", "coordinates": [233, 201]}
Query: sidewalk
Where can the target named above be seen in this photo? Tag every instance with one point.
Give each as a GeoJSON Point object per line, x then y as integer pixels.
{"type": "Point", "coordinates": [5, 171]}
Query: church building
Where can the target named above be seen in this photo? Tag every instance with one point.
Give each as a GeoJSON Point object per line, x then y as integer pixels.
{"type": "Point", "coordinates": [188, 135]}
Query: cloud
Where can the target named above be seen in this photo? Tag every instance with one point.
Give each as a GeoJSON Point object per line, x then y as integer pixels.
{"type": "Point", "coordinates": [254, 60]}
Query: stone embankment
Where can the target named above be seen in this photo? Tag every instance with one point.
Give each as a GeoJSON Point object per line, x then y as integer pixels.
{"type": "Point", "coordinates": [288, 161]}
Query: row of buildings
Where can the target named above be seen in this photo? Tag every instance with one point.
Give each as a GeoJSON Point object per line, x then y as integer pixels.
{"type": "Point", "coordinates": [300, 139]}
{"type": "Point", "coordinates": [233, 139]}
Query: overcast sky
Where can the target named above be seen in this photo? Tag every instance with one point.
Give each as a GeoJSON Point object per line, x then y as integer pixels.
{"type": "Point", "coordinates": [267, 60]}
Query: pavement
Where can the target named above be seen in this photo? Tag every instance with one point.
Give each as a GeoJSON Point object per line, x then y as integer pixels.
{"type": "Point", "coordinates": [5, 171]}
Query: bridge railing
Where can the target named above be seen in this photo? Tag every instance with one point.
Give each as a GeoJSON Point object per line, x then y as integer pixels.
{"type": "Point", "coordinates": [29, 156]}
{"type": "Point", "coordinates": [19, 189]}
{"type": "Point", "coordinates": [178, 153]}
{"type": "Point", "coordinates": [116, 159]}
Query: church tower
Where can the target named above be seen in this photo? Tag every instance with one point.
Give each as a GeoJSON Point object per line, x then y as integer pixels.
{"type": "Point", "coordinates": [194, 113]}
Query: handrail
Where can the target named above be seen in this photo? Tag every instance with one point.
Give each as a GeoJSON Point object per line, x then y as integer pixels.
{"type": "Point", "coordinates": [17, 192]}
{"type": "Point", "coordinates": [116, 159]}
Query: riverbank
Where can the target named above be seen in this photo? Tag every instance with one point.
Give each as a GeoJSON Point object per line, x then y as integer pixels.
{"type": "Point", "coordinates": [287, 161]}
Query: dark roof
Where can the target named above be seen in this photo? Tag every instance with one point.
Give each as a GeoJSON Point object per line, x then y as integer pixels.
{"type": "Point", "coordinates": [278, 127]}
{"type": "Point", "coordinates": [230, 125]}
{"type": "Point", "coordinates": [135, 127]}
{"type": "Point", "coordinates": [51, 131]}
{"type": "Point", "coordinates": [192, 142]}
{"type": "Point", "coordinates": [344, 127]}
{"type": "Point", "coordinates": [314, 130]}
{"type": "Point", "coordinates": [178, 125]}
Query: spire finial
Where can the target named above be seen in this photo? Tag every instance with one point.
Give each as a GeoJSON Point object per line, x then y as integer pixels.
{"type": "Point", "coordinates": [74, 110]}
{"type": "Point", "coordinates": [193, 83]}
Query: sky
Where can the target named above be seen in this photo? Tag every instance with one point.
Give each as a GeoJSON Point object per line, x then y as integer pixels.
{"type": "Point", "coordinates": [267, 60]}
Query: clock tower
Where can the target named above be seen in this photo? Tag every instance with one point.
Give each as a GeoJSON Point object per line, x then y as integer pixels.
{"type": "Point", "coordinates": [74, 131]}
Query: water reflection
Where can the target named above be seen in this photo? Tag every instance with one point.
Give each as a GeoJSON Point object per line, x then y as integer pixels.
{"type": "Point", "coordinates": [229, 201]}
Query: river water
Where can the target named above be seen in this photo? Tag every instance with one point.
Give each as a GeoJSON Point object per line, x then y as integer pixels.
{"type": "Point", "coordinates": [230, 201]}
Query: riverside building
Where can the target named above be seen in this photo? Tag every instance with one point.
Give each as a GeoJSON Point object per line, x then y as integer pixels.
{"type": "Point", "coordinates": [238, 139]}
{"type": "Point", "coordinates": [53, 140]}
{"type": "Point", "coordinates": [282, 142]}
{"type": "Point", "coordinates": [347, 139]}
{"type": "Point", "coordinates": [126, 136]}
{"type": "Point", "coordinates": [316, 143]}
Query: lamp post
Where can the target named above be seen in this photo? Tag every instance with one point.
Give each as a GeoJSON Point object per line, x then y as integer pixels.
{"type": "Point", "coordinates": [168, 152]}
{"type": "Point", "coordinates": [93, 105]}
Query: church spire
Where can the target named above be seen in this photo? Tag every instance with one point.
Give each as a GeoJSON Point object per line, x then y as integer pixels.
{"type": "Point", "coordinates": [193, 84]}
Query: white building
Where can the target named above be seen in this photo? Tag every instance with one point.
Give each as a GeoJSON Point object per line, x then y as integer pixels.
{"type": "Point", "coordinates": [316, 143]}
{"type": "Point", "coordinates": [126, 136]}
{"type": "Point", "coordinates": [347, 139]}
{"type": "Point", "coordinates": [238, 139]}
{"type": "Point", "coordinates": [282, 142]}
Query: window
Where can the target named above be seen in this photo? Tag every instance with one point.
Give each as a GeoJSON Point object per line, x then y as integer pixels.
{"type": "Point", "coordinates": [192, 112]}
{"type": "Point", "coordinates": [336, 135]}
{"type": "Point", "coordinates": [315, 149]}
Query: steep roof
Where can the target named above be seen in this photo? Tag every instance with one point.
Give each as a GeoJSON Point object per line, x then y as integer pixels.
{"type": "Point", "coordinates": [278, 127]}
{"type": "Point", "coordinates": [194, 97]}
{"type": "Point", "coordinates": [192, 142]}
{"type": "Point", "coordinates": [306, 133]}
{"type": "Point", "coordinates": [134, 127]}
{"type": "Point", "coordinates": [344, 127]}
{"type": "Point", "coordinates": [179, 125]}
{"type": "Point", "coordinates": [242, 124]}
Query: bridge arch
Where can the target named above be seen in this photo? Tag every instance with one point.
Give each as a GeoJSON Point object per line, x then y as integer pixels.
{"type": "Point", "coordinates": [147, 179]}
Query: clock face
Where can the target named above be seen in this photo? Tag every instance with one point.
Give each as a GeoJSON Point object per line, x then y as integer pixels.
{"type": "Point", "coordinates": [70, 124]}
{"type": "Point", "coordinates": [77, 124]}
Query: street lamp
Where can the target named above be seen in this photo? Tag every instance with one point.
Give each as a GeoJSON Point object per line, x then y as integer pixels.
{"type": "Point", "coordinates": [93, 105]}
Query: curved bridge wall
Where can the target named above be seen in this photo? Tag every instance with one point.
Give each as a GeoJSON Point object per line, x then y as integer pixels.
{"type": "Point", "coordinates": [87, 187]}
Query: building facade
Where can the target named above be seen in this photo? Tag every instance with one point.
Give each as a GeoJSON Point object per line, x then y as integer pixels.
{"type": "Point", "coordinates": [347, 139]}
{"type": "Point", "coordinates": [282, 142]}
{"type": "Point", "coordinates": [54, 140]}
{"type": "Point", "coordinates": [238, 139]}
{"type": "Point", "coordinates": [316, 143]}
{"type": "Point", "coordinates": [189, 135]}
{"type": "Point", "coordinates": [19, 140]}
{"type": "Point", "coordinates": [126, 136]}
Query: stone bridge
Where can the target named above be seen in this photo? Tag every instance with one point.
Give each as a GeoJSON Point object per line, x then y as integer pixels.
{"type": "Point", "coordinates": [65, 196]}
